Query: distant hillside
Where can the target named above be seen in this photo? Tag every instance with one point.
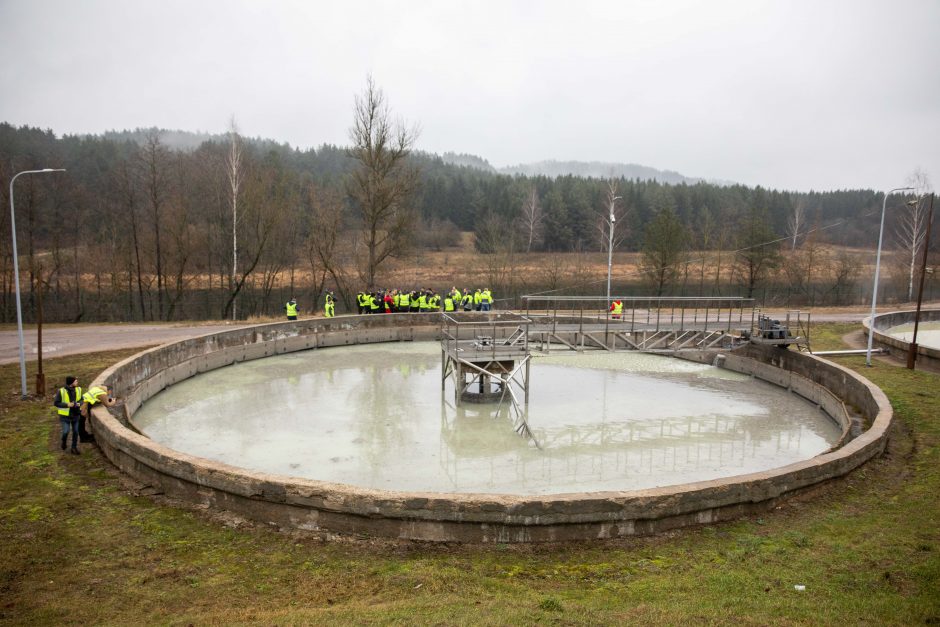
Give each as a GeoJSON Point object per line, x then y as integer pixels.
{"type": "Point", "coordinates": [469, 161]}
{"type": "Point", "coordinates": [598, 169]}
{"type": "Point", "coordinates": [183, 140]}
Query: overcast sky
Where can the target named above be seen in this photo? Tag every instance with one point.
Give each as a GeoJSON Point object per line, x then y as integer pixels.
{"type": "Point", "coordinates": [815, 94]}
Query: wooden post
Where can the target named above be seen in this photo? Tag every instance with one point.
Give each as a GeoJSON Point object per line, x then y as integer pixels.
{"type": "Point", "coordinates": [40, 376]}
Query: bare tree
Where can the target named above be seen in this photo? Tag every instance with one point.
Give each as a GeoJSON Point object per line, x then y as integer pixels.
{"type": "Point", "coordinates": [129, 202]}
{"type": "Point", "coordinates": [496, 240]}
{"type": "Point", "coordinates": [705, 229]}
{"type": "Point", "coordinates": [795, 221]}
{"type": "Point", "coordinates": [326, 251]}
{"type": "Point", "coordinates": [235, 173]}
{"type": "Point", "coordinates": [155, 162]}
{"type": "Point", "coordinates": [532, 219]}
{"type": "Point", "coordinates": [264, 208]}
{"type": "Point", "coordinates": [911, 228]}
{"type": "Point", "coordinates": [804, 266]}
{"type": "Point", "coordinates": [384, 182]}
{"type": "Point", "coordinates": [603, 224]}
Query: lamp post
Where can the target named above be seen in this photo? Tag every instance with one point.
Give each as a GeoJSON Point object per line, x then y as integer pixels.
{"type": "Point", "coordinates": [16, 276]}
{"type": "Point", "coordinates": [610, 245]}
{"type": "Point", "coordinates": [874, 290]}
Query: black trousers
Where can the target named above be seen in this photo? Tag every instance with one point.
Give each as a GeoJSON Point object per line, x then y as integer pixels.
{"type": "Point", "coordinates": [83, 435]}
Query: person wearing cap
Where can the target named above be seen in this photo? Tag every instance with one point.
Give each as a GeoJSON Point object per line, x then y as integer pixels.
{"type": "Point", "coordinates": [68, 403]}
{"type": "Point", "coordinates": [291, 308]}
{"type": "Point", "coordinates": [329, 307]}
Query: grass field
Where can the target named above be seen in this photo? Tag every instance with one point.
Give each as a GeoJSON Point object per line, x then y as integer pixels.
{"type": "Point", "coordinates": [82, 545]}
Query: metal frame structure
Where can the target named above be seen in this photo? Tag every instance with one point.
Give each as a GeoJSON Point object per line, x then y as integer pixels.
{"type": "Point", "coordinates": [487, 350]}
{"type": "Point", "coordinates": [647, 323]}
{"type": "Point", "coordinates": [795, 320]}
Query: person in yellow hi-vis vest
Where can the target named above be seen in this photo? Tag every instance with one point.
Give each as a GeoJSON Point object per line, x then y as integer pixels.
{"type": "Point", "coordinates": [68, 403]}
{"type": "Point", "coordinates": [291, 309]}
{"type": "Point", "coordinates": [329, 307]}
{"type": "Point", "coordinates": [486, 300]}
{"type": "Point", "coordinates": [616, 309]}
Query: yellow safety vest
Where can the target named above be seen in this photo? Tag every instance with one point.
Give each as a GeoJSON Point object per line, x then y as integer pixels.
{"type": "Point", "coordinates": [93, 395]}
{"type": "Point", "coordinates": [618, 307]}
{"type": "Point", "coordinates": [404, 300]}
{"type": "Point", "coordinates": [291, 309]}
{"type": "Point", "coordinates": [64, 395]}
{"type": "Point", "coordinates": [448, 304]}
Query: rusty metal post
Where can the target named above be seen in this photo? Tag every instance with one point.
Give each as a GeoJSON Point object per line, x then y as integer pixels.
{"type": "Point", "coordinates": [40, 375]}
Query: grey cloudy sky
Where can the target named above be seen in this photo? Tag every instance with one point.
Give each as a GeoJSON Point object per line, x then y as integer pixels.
{"type": "Point", "coordinates": [797, 94]}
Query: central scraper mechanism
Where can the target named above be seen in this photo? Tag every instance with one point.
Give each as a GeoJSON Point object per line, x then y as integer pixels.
{"type": "Point", "coordinates": [488, 361]}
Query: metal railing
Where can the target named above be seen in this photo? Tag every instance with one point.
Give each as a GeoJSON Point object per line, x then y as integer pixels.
{"type": "Point", "coordinates": [675, 313]}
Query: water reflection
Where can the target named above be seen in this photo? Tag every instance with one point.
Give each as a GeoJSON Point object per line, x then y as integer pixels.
{"type": "Point", "coordinates": [375, 416]}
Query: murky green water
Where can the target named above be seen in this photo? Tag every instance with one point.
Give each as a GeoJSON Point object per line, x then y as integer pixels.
{"type": "Point", "coordinates": [374, 416]}
{"type": "Point", "coordinates": [928, 333]}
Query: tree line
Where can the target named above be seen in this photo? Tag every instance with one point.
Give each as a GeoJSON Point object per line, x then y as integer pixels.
{"type": "Point", "coordinates": [144, 226]}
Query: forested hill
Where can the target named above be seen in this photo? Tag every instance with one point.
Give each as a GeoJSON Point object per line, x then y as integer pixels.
{"type": "Point", "coordinates": [589, 169]}
{"type": "Point", "coordinates": [461, 191]}
{"type": "Point", "coordinates": [598, 170]}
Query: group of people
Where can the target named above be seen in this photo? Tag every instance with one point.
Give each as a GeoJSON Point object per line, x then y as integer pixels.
{"type": "Point", "coordinates": [423, 301]}
{"type": "Point", "coordinates": [402, 301]}
{"type": "Point", "coordinates": [73, 406]}
{"type": "Point", "coordinates": [329, 307]}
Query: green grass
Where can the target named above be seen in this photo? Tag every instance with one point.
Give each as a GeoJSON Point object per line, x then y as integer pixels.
{"type": "Point", "coordinates": [82, 545]}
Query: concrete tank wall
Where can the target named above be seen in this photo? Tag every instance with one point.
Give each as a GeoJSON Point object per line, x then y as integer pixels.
{"type": "Point", "coordinates": [887, 320]}
{"type": "Point", "coordinates": [317, 505]}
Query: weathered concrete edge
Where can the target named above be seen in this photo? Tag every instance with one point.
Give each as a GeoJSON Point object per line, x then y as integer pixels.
{"type": "Point", "coordinates": [312, 504]}
{"type": "Point", "coordinates": [895, 318]}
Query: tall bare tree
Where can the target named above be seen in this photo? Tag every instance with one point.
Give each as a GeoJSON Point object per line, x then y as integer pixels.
{"type": "Point", "coordinates": [532, 219]}
{"type": "Point", "coordinates": [911, 228]}
{"type": "Point", "coordinates": [796, 219]}
{"type": "Point", "coordinates": [603, 225]}
{"type": "Point", "coordinates": [383, 184]}
{"type": "Point", "coordinates": [235, 173]}
{"type": "Point", "coordinates": [155, 164]}
{"type": "Point", "coordinates": [267, 199]}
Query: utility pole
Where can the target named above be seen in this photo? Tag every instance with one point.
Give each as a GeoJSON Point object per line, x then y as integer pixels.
{"type": "Point", "coordinates": [912, 348]}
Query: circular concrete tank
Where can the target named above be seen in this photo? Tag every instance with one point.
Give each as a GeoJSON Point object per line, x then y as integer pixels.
{"type": "Point", "coordinates": [374, 416]}
{"type": "Point", "coordinates": [894, 331]}
{"type": "Point", "coordinates": [427, 512]}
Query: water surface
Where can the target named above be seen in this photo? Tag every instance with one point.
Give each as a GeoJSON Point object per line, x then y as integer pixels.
{"type": "Point", "coordinates": [928, 333]}
{"type": "Point", "coordinates": [375, 416]}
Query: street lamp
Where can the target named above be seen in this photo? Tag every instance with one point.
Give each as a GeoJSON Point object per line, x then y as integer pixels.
{"type": "Point", "coordinates": [16, 276]}
{"type": "Point", "coordinates": [610, 244]}
{"type": "Point", "coordinates": [874, 291]}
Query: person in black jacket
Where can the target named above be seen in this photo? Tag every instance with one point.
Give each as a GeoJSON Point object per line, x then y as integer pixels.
{"type": "Point", "coordinates": [68, 401]}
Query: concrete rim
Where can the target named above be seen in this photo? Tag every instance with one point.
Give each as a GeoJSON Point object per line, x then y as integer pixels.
{"type": "Point", "coordinates": [317, 505]}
